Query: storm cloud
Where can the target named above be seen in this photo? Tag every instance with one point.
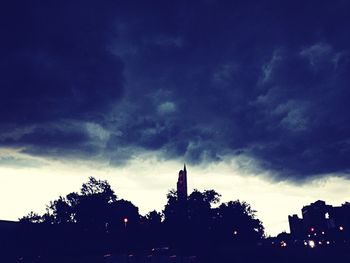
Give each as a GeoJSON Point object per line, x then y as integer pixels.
{"type": "Point", "coordinates": [55, 62]}
{"type": "Point", "coordinates": [199, 80]}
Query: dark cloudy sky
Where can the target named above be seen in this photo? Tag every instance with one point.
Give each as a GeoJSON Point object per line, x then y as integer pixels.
{"type": "Point", "coordinates": [259, 87]}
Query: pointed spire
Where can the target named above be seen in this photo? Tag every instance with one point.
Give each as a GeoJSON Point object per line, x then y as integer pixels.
{"type": "Point", "coordinates": [184, 167]}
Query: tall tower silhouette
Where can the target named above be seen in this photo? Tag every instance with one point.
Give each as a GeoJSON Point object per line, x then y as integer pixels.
{"type": "Point", "coordinates": [182, 184]}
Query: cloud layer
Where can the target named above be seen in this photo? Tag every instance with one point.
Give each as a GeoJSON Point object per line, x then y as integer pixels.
{"type": "Point", "coordinates": [203, 81]}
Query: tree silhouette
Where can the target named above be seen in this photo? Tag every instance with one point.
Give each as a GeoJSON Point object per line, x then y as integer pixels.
{"type": "Point", "coordinates": [31, 217]}
{"type": "Point", "coordinates": [93, 219]}
{"type": "Point", "coordinates": [124, 214]}
{"type": "Point", "coordinates": [59, 212]}
{"type": "Point", "coordinates": [236, 222]}
{"type": "Point", "coordinates": [200, 218]}
{"type": "Point", "coordinates": [154, 218]}
{"type": "Point", "coordinates": [90, 208]}
{"type": "Point", "coordinates": [98, 187]}
{"type": "Point", "coordinates": [206, 226]}
{"type": "Point", "coordinates": [153, 230]}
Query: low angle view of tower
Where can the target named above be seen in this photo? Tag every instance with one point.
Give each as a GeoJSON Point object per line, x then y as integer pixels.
{"type": "Point", "coordinates": [182, 184]}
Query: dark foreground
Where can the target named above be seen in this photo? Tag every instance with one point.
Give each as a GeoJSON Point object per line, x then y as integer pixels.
{"type": "Point", "coordinates": [233, 254]}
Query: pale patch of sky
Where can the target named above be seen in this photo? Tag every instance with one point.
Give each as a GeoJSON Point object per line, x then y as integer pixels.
{"type": "Point", "coordinates": [166, 108]}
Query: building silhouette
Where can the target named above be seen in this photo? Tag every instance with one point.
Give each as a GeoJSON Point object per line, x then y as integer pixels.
{"type": "Point", "coordinates": [182, 184]}
{"type": "Point", "coordinates": [321, 222]}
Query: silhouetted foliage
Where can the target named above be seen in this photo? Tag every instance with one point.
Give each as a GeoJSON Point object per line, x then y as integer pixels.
{"type": "Point", "coordinates": [153, 229]}
{"type": "Point", "coordinates": [95, 220]}
{"type": "Point", "coordinates": [98, 187]}
{"type": "Point", "coordinates": [32, 217]}
{"type": "Point", "coordinates": [236, 221]}
{"type": "Point", "coordinates": [125, 210]}
{"type": "Point", "coordinates": [91, 208]}
{"type": "Point", "coordinates": [59, 212]}
{"type": "Point", "coordinates": [197, 224]}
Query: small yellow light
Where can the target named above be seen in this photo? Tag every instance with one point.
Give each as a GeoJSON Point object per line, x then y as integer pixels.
{"type": "Point", "coordinates": [312, 243]}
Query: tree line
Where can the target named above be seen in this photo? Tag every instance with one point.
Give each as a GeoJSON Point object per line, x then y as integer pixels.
{"type": "Point", "coordinates": [95, 219]}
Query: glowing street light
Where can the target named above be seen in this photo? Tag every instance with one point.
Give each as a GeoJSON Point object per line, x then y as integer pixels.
{"type": "Point", "coordinates": [283, 243]}
{"type": "Point", "coordinates": [235, 232]}
{"type": "Point", "coordinates": [312, 243]}
{"type": "Point", "coordinates": [125, 220]}
{"type": "Point", "coordinates": [341, 228]}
